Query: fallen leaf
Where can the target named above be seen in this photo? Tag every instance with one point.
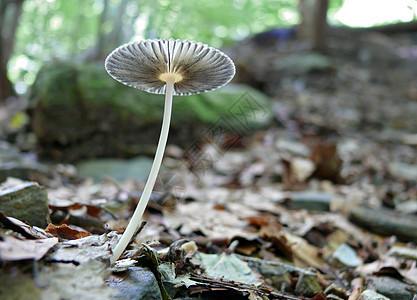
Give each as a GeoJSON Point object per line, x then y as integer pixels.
{"type": "Point", "coordinates": [229, 267]}
{"type": "Point", "coordinates": [13, 249]}
{"type": "Point", "coordinates": [67, 232]}
{"type": "Point", "coordinates": [27, 231]}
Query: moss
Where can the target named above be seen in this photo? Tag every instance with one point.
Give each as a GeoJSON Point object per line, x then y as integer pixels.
{"type": "Point", "coordinates": [90, 86]}
{"type": "Point", "coordinates": [55, 83]}
{"type": "Point", "coordinates": [77, 104]}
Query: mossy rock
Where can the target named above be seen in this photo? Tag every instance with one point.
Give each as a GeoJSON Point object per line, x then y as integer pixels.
{"type": "Point", "coordinates": [79, 111]}
{"type": "Point", "coordinates": [27, 202]}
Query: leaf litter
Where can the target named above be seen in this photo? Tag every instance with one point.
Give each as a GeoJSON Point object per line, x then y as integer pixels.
{"type": "Point", "coordinates": [312, 208]}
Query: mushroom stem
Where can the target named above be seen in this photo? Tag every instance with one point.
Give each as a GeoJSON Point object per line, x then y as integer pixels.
{"type": "Point", "coordinates": [144, 199]}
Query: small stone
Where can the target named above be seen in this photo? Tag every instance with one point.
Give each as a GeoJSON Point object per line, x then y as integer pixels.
{"type": "Point", "coordinates": [407, 253]}
{"type": "Point", "coordinates": [304, 63]}
{"type": "Point", "coordinates": [293, 147]}
{"type": "Point", "coordinates": [345, 256]}
{"type": "Point", "coordinates": [407, 207]}
{"type": "Point", "coordinates": [310, 201]}
{"type": "Point", "coordinates": [390, 287]}
{"type": "Point", "coordinates": [308, 285]}
{"type": "Point", "coordinates": [403, 170]}
{"type": "Point", "coordinates": [372, 295]}
{"type": "Point", "coordinates": [386, 222]}
{"type": "Point", "coordinates": [27, 202]}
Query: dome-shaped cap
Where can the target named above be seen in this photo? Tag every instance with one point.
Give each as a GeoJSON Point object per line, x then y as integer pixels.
{"type": "Point", "coordinates": [196, 67]}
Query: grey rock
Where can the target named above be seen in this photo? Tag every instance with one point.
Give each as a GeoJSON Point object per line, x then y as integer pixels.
{"type": "Point", "coordinates": [407, 207]}
{"type": "Point", "coordinates": [304, 63]}
{"type": "Point", "coordinates": [14, 163]}
{"type": "Point", "coordinates": [404, 252]}
{"type": "Point", "coordinates": [310, 200]}
{"type": "Point", "coordinates": [117, 169]}
{"type": "Point", "coordinates": [372, 295]}
{"type": "Point", "coordinates": [390, 287]}
{"type": "Point", "coordinates": [27, 202]}
{"type": "Point", "coordinates": [345, 256]}
{"type": "Point", "coordinates": [386, 222]}
{"type": "Point", "coordinates": [140, 283]}
{"type": "Point", "coordinates": [403, 170]}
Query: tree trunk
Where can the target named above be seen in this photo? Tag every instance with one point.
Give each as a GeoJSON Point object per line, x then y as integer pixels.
{"type": "Point", "coordinates": [107, 42]}
{"type": "Point", "coordinates": [320, 25]}
{"type": "Point", "coordinates": [10, 11]}
{"type": "Point", "coordinates": [313, 25]}
{"type": "Point", "coordinates": [101, 41]}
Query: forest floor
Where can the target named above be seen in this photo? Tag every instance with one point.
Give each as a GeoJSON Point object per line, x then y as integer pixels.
{"type": "Point", "coordinates": [321, 205]}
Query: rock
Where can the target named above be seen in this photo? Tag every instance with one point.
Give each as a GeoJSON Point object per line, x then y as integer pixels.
{"type": "Point", "coordinates": [117, 169]}
{"type": "Point", "coordinates": [310, 200]}
{"type": "Point", "coordinates": [292, 147]}
{"type": "Point", "coordinates": [27, 202]}
{"type": "Point", "coordinates": [386, 222]}
{"type": "Point", "coordinates": [409, 139]}
{"type": "Point", "coordinates": [407, 207]}
{"type": "Point", "coordinates": [404, 252]}
{"type": "Point", "coordinates": [344, 257]}
{"type": "Point", "coordinates": [14, 163]}
{"type": "Point", "coordinates": [308, 285]}
{"type": "Point", "coordinates": [79, 111]}
{"type": "Point", "coordinates": [304, 63]}
{"type": "Point", "coordinates": [372, 295]}
{"type": "Point", "coordinates": [140, 283]}
{"type": "Point", "coordinates": [277, 276]}
{"type": "Point", "coordinates": [403, 170]}
{"type": "Point", "coordinates": [390, 287]}
{"type": "Point", "coordinates": [281, 276]}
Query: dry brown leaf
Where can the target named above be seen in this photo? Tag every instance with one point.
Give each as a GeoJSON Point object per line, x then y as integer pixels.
{"type": "Point", "coordinates": [67, 232]}
{"type": "Point", "coordinates": [14, 249]}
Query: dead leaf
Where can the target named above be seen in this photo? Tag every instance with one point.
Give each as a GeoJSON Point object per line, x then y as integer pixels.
{"type": "Point", "coordinates": [13, 249]}
{"type": "Point", "coordinates": [326, 158]}
{"type": "Point", "coordinates": [27, 231]}
{"type": "Point", "coordinates": [274, 234]}
{"type": "Point", "coordinates": [67, 232]}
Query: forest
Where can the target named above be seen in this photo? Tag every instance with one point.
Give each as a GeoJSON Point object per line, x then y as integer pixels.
{"type": "Point", "coordinates": [239, 149]}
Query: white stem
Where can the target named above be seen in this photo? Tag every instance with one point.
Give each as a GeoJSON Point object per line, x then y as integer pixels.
{"type": "Point", "coordinates": [144, 199]}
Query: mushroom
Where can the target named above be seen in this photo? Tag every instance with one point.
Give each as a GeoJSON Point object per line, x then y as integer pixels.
{"type": "Point", "coordinates": [170, 67]}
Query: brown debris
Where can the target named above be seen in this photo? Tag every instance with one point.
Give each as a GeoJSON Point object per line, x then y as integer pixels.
{"type": "Point", "coordinates": [65, 232]}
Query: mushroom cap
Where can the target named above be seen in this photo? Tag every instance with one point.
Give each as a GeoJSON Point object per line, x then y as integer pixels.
{"type": "Point", "coordinates": [145, 65]}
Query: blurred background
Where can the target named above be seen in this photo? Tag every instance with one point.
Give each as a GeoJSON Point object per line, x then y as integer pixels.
{"type": "Point", "coordinates": [37, 31]}
{"type": "Point", "coordinates": [318, 127]}
{"type": "Point", "coordinates": [316, 67]}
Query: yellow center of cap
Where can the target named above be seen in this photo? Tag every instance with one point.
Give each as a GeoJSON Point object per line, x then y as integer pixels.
{"type": "Point", "coordinates": [170, 77]}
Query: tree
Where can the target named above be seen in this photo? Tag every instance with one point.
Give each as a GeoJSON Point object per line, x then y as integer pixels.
{"type": "Point", "coordinates": [314, 23]}
{"type": "Point", "coordinates": [10, 11]}
{"type": "Point", "coordinates": [115, 14]}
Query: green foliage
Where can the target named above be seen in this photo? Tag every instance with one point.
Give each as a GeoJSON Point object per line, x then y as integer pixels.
{"type": "Point", "coordinates": [72, 29]}
{"type": "Point", "coordinates": [50, 30]}
{"type": "Point", "coordinates": [54, 29]}
{"type": "Point", "coordinates": [218, 22]}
